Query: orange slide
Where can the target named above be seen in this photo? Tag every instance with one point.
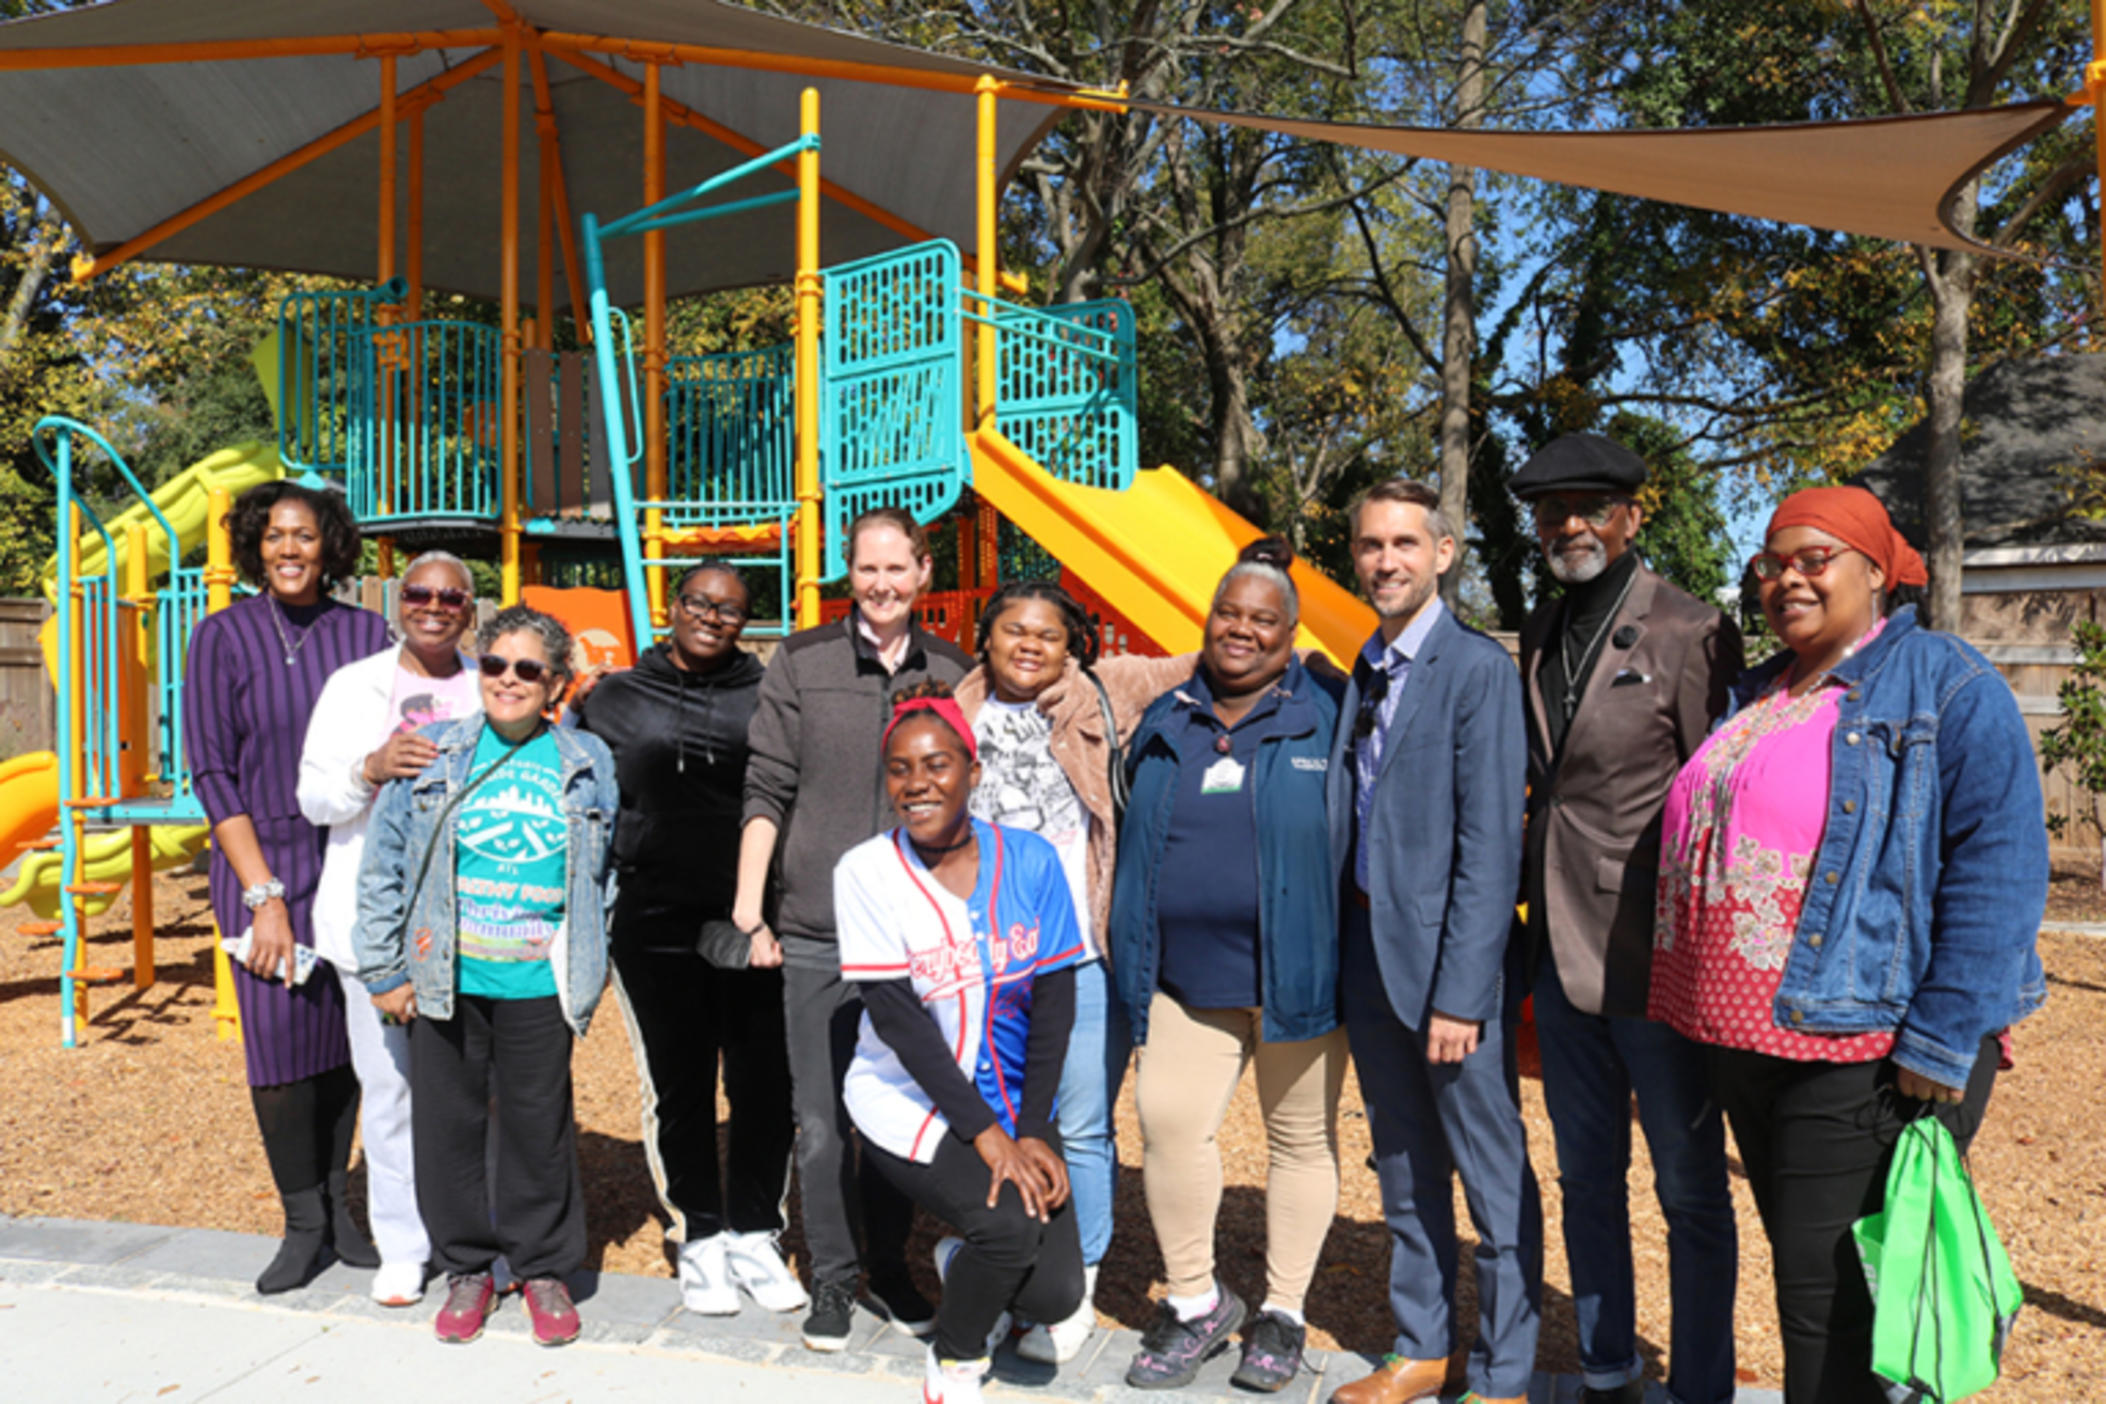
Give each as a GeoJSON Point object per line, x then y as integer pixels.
{"type": "Point", "coordinates": [28, 801]}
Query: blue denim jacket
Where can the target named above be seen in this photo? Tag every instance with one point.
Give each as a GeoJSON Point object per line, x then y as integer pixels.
{"type": "Point", "coordinates": [1926, 895]}
{"type": "Point", "coordinates": [1297, 897]}
{"type": "Point", "coordinates": [396, 942]}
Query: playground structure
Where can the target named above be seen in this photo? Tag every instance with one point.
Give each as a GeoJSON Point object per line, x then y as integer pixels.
{"type": "Point", "coordinates": [907, 383]}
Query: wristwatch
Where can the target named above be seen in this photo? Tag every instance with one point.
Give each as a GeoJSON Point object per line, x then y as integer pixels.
{"type": "Point", "coordinates": [254, 897]}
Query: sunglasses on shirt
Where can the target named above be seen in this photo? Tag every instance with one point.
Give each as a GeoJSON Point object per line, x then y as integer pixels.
{"type": "Point", "coordinates": [1373, 692]}
{"type": "Point", "coordinates": [447, 598]}
{"type": "Point", "coordinates": [527, 670]}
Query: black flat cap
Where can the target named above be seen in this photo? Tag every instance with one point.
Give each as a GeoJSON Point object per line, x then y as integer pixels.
{"type": "Point", "coordinates": [1579, 463]}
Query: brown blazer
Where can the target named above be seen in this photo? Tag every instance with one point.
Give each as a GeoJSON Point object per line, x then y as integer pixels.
{"type": "Point", "coordinates": [1657, 686]}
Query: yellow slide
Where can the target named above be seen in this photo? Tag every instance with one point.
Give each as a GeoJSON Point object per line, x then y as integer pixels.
{"type": "Point", "coordinates": [103, 858]}
{"type": "Point", "coordinates": [1156, 550]}
{"type": "Point", "coordinates": [28, 802]}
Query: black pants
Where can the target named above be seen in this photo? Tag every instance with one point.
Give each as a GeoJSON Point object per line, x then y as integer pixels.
{"type": "Point", "coordinates": [1009, 1260]}
{"type": "Point", "coordinates": [307, 1127]}
{"type": "Point", "coordinates": [841, 1197]}
{"type": "Point", "coordinates": [685, 1013]}
{"type": "Point", "coordinates": [1815, 1140]}
{"type": "Point", "coordinates": [520, 1048]}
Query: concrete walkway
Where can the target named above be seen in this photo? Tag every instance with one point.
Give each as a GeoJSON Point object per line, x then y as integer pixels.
{"type": "Point", "coordinates": [123, 1312]}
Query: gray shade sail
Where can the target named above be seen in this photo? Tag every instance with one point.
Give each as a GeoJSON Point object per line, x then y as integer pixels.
{"type": "Point", "coordinates": [122, 148]}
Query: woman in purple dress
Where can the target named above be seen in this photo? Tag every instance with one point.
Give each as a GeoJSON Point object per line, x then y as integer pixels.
{"type": "Point", "coordinates": [255, 671]}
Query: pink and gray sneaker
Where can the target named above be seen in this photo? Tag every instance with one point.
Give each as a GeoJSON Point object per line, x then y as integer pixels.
{"type": "Point", "coordinates": [468, 1299]}
{"type": "Point", "coordinates": [1272, 1354]}
{"type": "Point", "coordinates": [549, 1307]}
{"type": "Point", "coordinates": [1173, 1349]}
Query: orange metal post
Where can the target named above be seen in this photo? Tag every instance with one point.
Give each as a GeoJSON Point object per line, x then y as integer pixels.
{"type": "Point", "coordinates": [138, 663]}
{"type": "Point", "coordinates": [566, 231]}
{"type": "Point", "coordinates": [413, 255]}
{"type": "Point", "coordinates": [384, 243]}
{"type": "Point", "coordinates": [508, 391]}
{"type": "Point", "coordinates": [424, 93]}
{"type": "Point", "coordinates": [807, 333]}
{"type": "Point", "coordinates": [142, 908]}
{"type": "Point", "coordinates": [219, 593]}
{"type": "Point", "coordinates": [987, 187]}
{"type": "Point", "coordinates": [654, 345]}
{"type": "Point", "coordinates": [2095, 79]}
{"type": "Point", "coordinates": [228, 50]}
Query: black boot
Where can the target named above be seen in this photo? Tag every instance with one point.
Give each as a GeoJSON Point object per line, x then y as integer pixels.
{"type": "Point", "coordinates": [345, 1235]}
{"type": "Point", "coordinates": [300, 1255]}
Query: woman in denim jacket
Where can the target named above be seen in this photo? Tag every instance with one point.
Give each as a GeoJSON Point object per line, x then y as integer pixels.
{"type": "Point", "coordinates": [483, 905]}
{"type": "Point", "coordinates": [1853, 872]}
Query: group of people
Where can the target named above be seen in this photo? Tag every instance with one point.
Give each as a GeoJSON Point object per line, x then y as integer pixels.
{"type": "Point", "coordinates": [925, 908]}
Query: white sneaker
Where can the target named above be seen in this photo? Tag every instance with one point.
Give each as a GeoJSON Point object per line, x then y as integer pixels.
{"type": "Point", "coordinates": [1062, 1341]}
{"type": "Point", "coordinates": [398, 1284]}
{"type": "Point", "coordinates": [949, 1247]}
{"type": "Point", "coordinates": [756, 1264]}
{"type": "Point", "coordinates": [951, 1381]}
{"type": "Point", "coordinates": [705, 1281]}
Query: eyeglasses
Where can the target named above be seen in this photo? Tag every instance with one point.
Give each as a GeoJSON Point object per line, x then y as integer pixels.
{"type": "Point", "coordinates": [527, 670]}
{"type": "Point", "coordinates": [703, 607]}
{"type": "Point", "coordinates": [448, 598]}
{"type": "Point", "coordinates": [1373, 692]}
{"type": "Point", "coordinates": [1811, 564]}
{"type": "Point", "coordinates": [1594, 511]}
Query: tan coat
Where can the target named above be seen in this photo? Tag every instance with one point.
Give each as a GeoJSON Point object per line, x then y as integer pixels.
{"type": "Point", "coordinates": [1657, 685]}
{"type": "Point", "coordinates": [1079, 744]}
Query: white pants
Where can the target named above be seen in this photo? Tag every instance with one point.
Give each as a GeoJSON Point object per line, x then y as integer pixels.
{"type": "Point", "coordinates": [380, 1057]}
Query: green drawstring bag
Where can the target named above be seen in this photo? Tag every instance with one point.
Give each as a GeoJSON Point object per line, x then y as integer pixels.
{"type": "Point", "coordinates": [1944, 1297]}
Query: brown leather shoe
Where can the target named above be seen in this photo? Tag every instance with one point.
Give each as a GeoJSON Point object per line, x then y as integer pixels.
{"type": "Point", "coordinates": [1395, 1381]}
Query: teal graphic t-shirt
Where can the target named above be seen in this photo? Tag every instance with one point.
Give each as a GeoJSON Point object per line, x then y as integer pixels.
{"type": "Point", "coordinates": [511, 855]}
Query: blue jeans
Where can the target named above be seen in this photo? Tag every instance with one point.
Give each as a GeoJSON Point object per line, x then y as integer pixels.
{"type": "Point", "coordinates": [1591, 1066]}
{"type": "Point", "coordinates": [1098, 1051]}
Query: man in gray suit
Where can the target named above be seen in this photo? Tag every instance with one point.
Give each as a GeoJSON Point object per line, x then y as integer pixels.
{"type": "Point", "coordinates": [1425, 798]}
{"type": "Point", "coordinates": [1624, 675]}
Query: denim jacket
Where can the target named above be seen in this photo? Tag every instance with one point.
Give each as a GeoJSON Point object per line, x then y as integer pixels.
{"type": "Point", "coordinates": [1927, 892]}
{"type": "Point", "coordinates": [1297, 900]}
{"type": "Point", "coordinates": [396, 941]}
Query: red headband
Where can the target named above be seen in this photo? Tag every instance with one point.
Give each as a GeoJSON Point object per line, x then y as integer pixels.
{"type": "Point", "coordinates": [946, 709]}
{"type": "Point", "coordinates": [1859, 520]}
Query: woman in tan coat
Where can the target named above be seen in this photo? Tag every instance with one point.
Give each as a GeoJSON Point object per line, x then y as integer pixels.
{"type": "Point", "coordinates": [1046, 713]}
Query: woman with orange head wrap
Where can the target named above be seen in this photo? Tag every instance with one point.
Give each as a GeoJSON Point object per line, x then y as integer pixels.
{"type": "Point", "coordinates": [1853, 871]}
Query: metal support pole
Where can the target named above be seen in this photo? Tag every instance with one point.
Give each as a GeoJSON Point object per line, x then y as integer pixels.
{"type": "Point", "coordinates": [219, 593]}
{"type": "Point", "coordinates": [808, 313]}
{"type": "Point", "coordinates": [655, 487]}
{"type": "Point", "coordinates": [413, 264]}
{"type": "Point", "coordinates": [987, 254]}
{"type": "Point", "coordinates": [508, 379]}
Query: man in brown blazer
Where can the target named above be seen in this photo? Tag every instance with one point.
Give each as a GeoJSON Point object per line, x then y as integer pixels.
{"type": "Point", "coordinates": [1623, 675]}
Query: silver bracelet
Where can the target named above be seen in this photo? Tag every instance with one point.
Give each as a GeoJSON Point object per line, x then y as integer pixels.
{"type": "Point", "coordinates": [254, 897]}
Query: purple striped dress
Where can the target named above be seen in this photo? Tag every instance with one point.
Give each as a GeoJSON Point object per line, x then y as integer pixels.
{"type": "Point", "coordinates": [245, 714]}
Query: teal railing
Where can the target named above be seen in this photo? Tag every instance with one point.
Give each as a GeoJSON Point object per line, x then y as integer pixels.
{"type": "Point", "coordinates": [320, 365]}
{"type": "Point", "coordinates": [1066, 388]}
{"type": "Point", "coordinates": [890, 407]}
{"type": "Point", "coordinates": [731, 441]}
{"type": "Point", "coordinates": [424, 436]}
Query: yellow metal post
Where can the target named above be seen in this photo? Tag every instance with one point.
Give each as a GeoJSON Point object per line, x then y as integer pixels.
{"type": "Point", "coordinates": [986, 235]}
{"type": "Point", "coordinates": [138, 589]}
{"type": "Point", "coordinates": [219, 593]}
{"type": "Point", "coordinates": [388, 443]}
{"type": "Point", "coordinates": [654, 347]}
{"type": "Point", "coordinates": [142, 907]}
{"type": "Point", "coordinates": [2095, 79]}
{"type": "Point", "coordinates": [808, 312]}
{"type": "Point", "coordinates": [508, 383]}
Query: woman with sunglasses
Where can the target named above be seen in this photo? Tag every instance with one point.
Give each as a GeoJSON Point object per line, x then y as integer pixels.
{"type": "Point", "coordinates": [960, 936]}
{"type": "Point", "coordinates": [1046, 712]}
{"type": "Point", "coordinates": [365, 731]}
{"type": "Point", "coordinates": [482, 923]}
{"type": "Point", "coordinates": [1853, 872]}
{"type": "Point", "coordinates": [1224, 935]}
{"type": "Point", "coordinates": [676, 723]}
{"type": "Point", "coordinates": [255, 671]}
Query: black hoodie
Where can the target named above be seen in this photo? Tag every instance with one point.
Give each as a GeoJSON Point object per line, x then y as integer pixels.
{"type": "Point", "coordinates": [679, 743]}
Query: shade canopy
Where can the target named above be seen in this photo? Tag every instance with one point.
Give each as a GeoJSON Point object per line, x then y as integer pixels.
{"type": "Point", "coordinates": [122, 145]}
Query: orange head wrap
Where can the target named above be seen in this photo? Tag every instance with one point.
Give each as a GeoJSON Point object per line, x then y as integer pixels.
{"type": "Point", "coordinates": [1859, 520]}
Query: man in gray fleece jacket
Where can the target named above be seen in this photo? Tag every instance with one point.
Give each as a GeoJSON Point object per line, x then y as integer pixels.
{"type": "Point", "coordinates": [815, 782]}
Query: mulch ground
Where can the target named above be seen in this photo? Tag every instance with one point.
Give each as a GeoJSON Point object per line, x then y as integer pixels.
{"type": "Point", "coordinates": [148, 1121]}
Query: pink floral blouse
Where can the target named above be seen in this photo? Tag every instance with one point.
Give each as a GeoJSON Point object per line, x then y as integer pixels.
{"type": "Point", "coordinates": [1738, 838]}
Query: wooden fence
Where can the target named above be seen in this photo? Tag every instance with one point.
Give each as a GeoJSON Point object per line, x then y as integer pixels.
{"type": "Point", "coordinates": [28, 710]}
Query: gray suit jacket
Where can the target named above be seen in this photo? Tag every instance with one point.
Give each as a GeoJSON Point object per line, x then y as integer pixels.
{"type": "Point", "coordinates": [1444, 835]}
{"type": "Point", "coordinates": [1656, 687]}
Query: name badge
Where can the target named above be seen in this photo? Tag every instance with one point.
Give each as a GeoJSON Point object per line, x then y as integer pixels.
{"type": "Point", "coordinates": [1223, 777]}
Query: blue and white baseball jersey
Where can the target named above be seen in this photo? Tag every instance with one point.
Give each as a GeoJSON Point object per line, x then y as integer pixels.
{"type": "Point", "coordinates": [972, 961]}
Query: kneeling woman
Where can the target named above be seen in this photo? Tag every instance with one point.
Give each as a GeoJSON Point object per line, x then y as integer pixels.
{"type": "Point", "coordinates": [963, 938]}
{"type": "Point", "coordinates": [482, 920]}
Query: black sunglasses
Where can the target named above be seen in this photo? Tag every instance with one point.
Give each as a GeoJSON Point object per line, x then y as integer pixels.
{"type": "Point", "coordinates": [1374, 690]}
{"type": "Point", "coordinates": [448, 597]}
{"type": "Point", "coordinates": [528, 670]}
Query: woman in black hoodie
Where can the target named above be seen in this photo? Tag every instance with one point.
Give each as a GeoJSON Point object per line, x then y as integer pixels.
{"type": "Point", "coordinates": [676, 723]}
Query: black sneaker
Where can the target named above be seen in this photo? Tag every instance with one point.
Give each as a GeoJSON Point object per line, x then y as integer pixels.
{"type": "Point", "coordinates": [1272, 1354]}
{"type": "Point", "coordinates": [1629, 1392]}
{"type": "Point", "coordinates": [1173, 1349]}
{"type": "Point", "coordinates": [833, 1315]}
{"type": "Point", "coordinates": [902, 1301]}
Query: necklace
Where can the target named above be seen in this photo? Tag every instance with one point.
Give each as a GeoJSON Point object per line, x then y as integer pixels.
{"type": "Point", "coordinates": [1804, 685]}
{"type": "Point", "coordinates": [925, 849]}
{"type": "Point", "coordinates": [1572, 670]}
{"type": "Point", "coordinates": [292, 648]}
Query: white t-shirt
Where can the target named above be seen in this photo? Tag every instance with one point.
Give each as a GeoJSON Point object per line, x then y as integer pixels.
{"type": "Point", "coordinates": [1023, 787]}
{"type": "Point", "coordinates": [972, 962]}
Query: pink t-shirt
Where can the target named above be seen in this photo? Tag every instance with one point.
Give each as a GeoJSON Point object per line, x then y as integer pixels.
{"type": "Point", "coordinates": [1738, 838]}
{"type": "Point", "coordinates": [418, 701]}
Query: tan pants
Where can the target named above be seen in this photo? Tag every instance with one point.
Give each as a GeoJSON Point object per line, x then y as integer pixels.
{"type": "Point", "coordinates": [1189, 1069]}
